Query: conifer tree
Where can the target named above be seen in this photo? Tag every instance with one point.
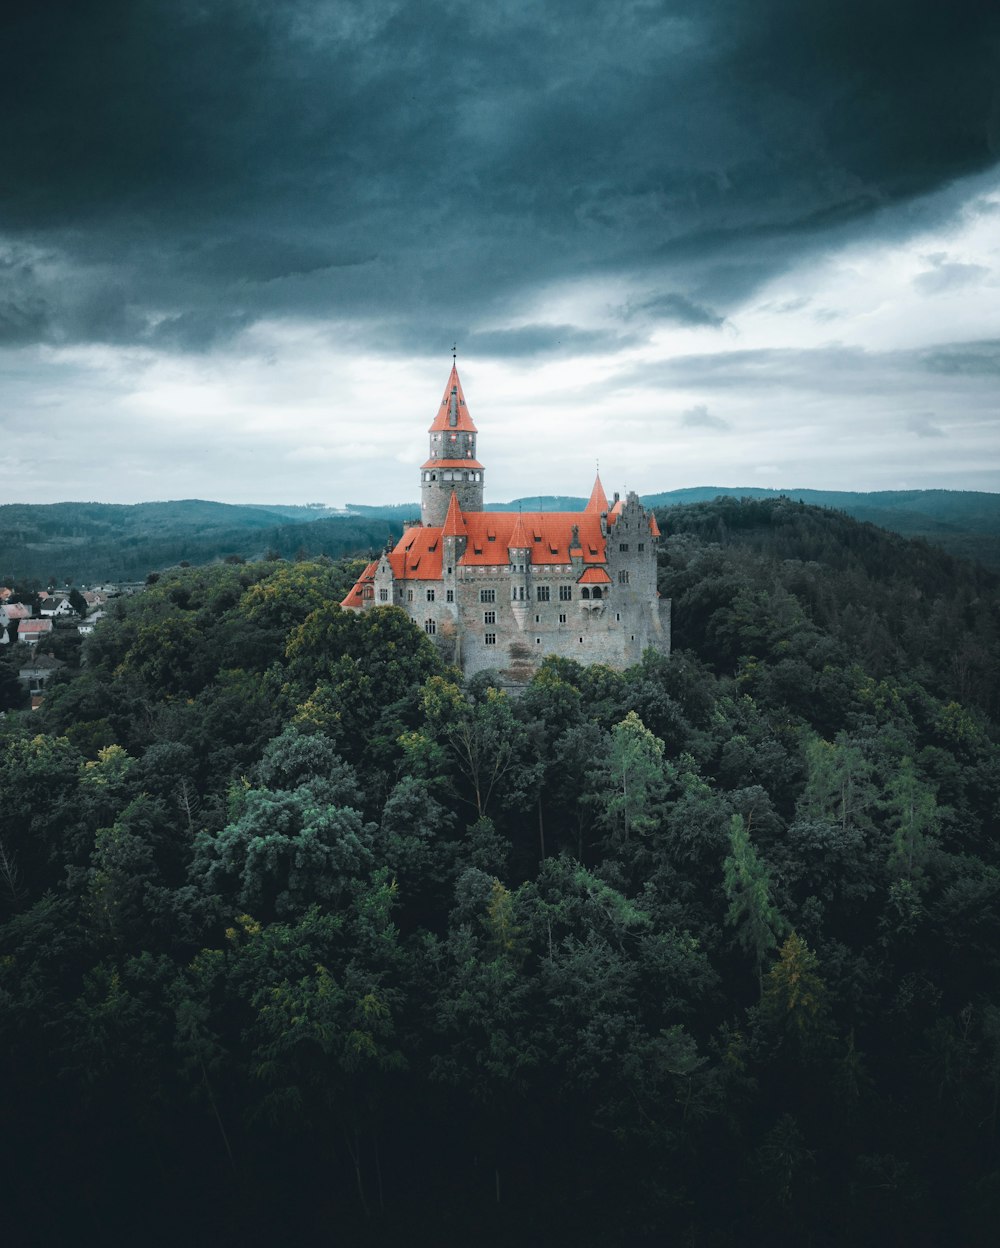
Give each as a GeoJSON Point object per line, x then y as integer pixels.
{"type": "Point", "coordinates": [748, 889]}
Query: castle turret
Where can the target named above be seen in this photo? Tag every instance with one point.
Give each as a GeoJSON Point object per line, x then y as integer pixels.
{"type": "Point", "coordinates": [451, 464]}
{"type": "Point", "coordinates": [519, 557]}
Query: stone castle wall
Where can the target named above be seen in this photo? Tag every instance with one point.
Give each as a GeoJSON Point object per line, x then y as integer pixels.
{"type": "Point", "coordinates": [471, 617]}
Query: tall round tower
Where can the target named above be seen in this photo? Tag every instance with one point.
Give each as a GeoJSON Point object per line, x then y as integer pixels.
{"type": "Point", "coordinates": [452, 463]}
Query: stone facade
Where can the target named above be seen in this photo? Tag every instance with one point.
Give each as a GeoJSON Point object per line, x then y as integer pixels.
{"type": "Point", "coordinates": [501, 590]}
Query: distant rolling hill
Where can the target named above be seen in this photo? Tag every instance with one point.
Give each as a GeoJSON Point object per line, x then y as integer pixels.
{"type": "Point", "coordinates": [962, 522]}
{"type": "Point", "coordinates": [91, 542]}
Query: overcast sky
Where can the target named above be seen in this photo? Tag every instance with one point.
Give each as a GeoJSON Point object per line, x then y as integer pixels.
{"type": "Point", "coordinates": [709, 242]}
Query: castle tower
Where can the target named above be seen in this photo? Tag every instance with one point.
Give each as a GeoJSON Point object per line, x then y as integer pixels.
{"type": "Point", "coordinates": [519, 558]}
{"type": "Point", "coordinates": [451, 464]}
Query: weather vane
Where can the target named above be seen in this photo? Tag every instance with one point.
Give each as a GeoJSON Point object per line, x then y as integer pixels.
{"type": "Point", "coordinates": [454, 353]}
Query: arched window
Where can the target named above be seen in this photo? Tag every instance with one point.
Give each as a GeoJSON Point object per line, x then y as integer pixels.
{"type": "Point", "coordinates": [430, 626]}
{"type": "Point", "coordinates": [598, 592]}
{"type": "Point", "coordinates": [585, 592]}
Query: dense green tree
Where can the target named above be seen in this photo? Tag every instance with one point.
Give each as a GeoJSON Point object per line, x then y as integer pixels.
{"type": "Point", "coordinates": [747, 884]}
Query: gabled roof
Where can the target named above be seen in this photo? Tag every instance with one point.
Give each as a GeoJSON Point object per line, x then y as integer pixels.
{"type": "Point", "coordinates": [28, 628]}
{"type": "Point", "coordinates": [594, 576]}
{"type": "Point", "coordinates": [453, 414]}
{"type": "Point", "coordinates": [454, 521]}
{"type": "Point", "coordinates": [417, 555]}
{"type": "Point", "coordinates": [356, 597]}
{"type": "Point", "coordinates": [18, 611]}
{"type": "Point", "coordinates": [547, 534]}
{"type": "Point", "coordinates": [654, 528]}
{"type": "Point", "coordinates": [598, 500]}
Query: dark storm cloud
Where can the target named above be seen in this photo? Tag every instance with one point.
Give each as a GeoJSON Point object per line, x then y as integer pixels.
{"type": "Point", "coordinates": [677, 309]}
{"type": "Point", "coordinates": [973, 359]}
{"type": "Point", "coordinates": [424, 166]}
{"type": "Point", "coordinates": [922, 424]}
{"type": "Point", "coordinates": [531, 340]}
{"type": "Point", "coordinates": [699, 417]}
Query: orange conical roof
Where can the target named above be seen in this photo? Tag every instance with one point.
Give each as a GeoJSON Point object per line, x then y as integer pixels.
{"type": "Point", "coordinates": [598, 499]}
{"type": "Point", "coordinates": [518, 537]}
{"type": "Point", "coordinates": [453, 414]}
{"type": "Point", "coordinates": [454, 521]}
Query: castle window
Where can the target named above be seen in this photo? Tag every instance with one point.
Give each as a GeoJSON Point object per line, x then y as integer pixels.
{"type": "Point", "coordinates": [618, 615]}
{"type": "Point", "coordinates": [449, 595]}
{"type": "Point", "coordinates": [491, 639]}
{"type": "Point", "coordinates": [430, 595]}
{"type": "Point", "coordinates": [489, 617]}
{"type": "Point", "coordinates": [538, 641]}
{"type": "Point", "coordinates": [543, 593]}
{"type": "Point", "coordinates": [383, 595]}
{"type": "Point", "coordinates": [487, 595]}
{"type": "Point", "coordinates": [565, 593]}
{"type": "Point", "coordinates": [409, 595]}
{"type": "Point", "coordinates": [641, 547]}
{"type": "Point", "coordinates": [538, 619]}
{"type": "Point", "coordinates": [623, 577]}
{"type": "Point", "coordinates": [562, 619]}
{"type": "Point", "coordinates": [581, 641]}
{"type": "Point", "coordinates": [430, 627]}
{"type": "Point", "coordinates": [623, 545]}
{"type": "Point", "coordinates": [585, 592]}
{"type": "Point", "coordinates": [598, 592]}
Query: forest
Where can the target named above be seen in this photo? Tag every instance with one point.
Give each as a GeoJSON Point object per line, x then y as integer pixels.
{"type": "Point", "coordinates": [305, 940]}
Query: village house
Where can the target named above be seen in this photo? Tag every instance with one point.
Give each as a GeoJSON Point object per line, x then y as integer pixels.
{"type": "Point", "coordinates": [31, 632]}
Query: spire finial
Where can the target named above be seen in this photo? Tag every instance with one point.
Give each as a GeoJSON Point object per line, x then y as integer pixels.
{"type": "Point", "coordinates": [454, 353]}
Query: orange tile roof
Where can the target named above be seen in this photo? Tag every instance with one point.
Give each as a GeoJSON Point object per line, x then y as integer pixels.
{"type": "Point", "coordinates": [454, 521]}
{"type": "Point", "coordinates": [518, 538]}
{"type": "Point", "coordinates": [356, 597]}
{"type": "Point", "coordinates": [594, 576]}
{"type": "Point", "coordinates": [462, 419]}
{"type": "Point", "coordinates": [547, 534]}
{"type": "Point", "coordinates": [417, 555]}
{"type": "Point", "coordinates": [28, 628]}
{"type": "Point", "coordinates": [654, 528]}
{"type": "Point", "coordinates": [451, 463]}
{"type": "Point", "coordinates": [598, 500]}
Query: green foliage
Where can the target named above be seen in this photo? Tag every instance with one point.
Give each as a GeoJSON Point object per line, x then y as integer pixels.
{"type": "Point", "coordinates": [298, 930]}
{"type": "Point", "coordinates": [747, 885]}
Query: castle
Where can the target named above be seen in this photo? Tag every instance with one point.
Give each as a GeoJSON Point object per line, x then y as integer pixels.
{"type": "Point", "coordinates": [503, 589]}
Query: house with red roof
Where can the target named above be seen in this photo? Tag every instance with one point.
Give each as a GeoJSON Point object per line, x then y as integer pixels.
{"type": "Point", "coordinates": [501, 590]}
{"type": "Point", "coordinates": [31, 632]}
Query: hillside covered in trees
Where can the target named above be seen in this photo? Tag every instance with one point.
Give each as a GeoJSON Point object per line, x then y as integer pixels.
{"type": "Point", "coordinates": [56, 543]}
{"type": "Point", "coordinates": [305, 941]}
{"type": "Point", "coordinates": [90, 543]}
